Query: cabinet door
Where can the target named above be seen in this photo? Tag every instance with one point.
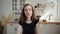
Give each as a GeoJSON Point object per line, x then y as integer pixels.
{"type": "Point", "coordinates": [12, 28]}
{"type": "Point", "coordinates": [50, 29]}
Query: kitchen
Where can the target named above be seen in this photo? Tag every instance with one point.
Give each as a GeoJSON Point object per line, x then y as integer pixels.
{"type": "Point", "coordinates": [48, 10]}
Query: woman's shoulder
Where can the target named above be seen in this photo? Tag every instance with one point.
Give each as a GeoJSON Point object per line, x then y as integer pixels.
{"type": "Point", "coordinates": [36, 21]}
{"type": "Point", "coordinates": [21, 22]}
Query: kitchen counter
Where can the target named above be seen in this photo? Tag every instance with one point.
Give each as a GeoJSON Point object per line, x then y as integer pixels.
{"type": "Point", "coordinates": [52, 22]}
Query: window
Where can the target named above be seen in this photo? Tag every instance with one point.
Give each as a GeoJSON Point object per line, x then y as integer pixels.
{"type": "Point", "coordinates": [22, 2]}
{"type": "Point", "coordinates": [14, 5]}
{"type": "Point", "coordinates": [17, 5]}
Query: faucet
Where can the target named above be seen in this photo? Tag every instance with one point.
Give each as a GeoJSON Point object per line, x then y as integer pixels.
{"type": "Point", "coordinates": [50, 16]}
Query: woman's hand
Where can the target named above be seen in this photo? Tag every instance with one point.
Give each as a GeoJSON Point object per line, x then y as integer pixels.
{"type": "Point", "coordinates": [19, 30]}
{"type": "Point", "coordinates": [37, 28]}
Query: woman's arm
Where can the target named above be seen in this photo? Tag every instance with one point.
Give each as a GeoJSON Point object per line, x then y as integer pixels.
{"type": "Point", "coordinates": [19, 30]}
{"type": "Point", "coordinates": [37, 28]}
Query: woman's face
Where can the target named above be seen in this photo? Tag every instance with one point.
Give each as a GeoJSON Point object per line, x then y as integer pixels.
{"type": "Point", "coordinates": [28, 11]}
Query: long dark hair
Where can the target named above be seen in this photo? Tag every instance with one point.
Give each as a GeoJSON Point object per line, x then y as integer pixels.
{"type": "Point", "coordinates": [23, 17]}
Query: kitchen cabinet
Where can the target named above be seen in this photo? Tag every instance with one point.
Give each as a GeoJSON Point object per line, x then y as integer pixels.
{"type": "Point", "coordinates": [12, 28]}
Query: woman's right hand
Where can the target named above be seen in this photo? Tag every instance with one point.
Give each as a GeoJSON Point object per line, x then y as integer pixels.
{"type": "Point", "coordinates": [19, 29]}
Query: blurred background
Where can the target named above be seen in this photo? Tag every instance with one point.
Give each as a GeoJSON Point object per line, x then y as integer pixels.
{"type": "Point", "coordinates": [48, 10]}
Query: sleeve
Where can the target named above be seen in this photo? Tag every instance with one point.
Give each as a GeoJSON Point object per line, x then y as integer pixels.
{"type": "Point", "coordinates": [20, 23]}
{"type": "Point", "coordinates": [36, 21]}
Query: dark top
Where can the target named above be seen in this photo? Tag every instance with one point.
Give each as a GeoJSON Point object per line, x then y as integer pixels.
{"type": "Point", "coordinates": [29, 28]}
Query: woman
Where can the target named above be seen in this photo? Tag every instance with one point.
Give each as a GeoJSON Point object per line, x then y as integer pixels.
{"type": "Point", "coordinates": [28, 22]}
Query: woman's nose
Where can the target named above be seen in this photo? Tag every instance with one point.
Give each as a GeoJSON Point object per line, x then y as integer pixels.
{"type": "Point", "coordinates": [27, 11]}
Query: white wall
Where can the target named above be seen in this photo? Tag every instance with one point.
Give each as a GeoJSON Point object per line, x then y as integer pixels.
{"type": "Point", "coordinates": [57, 17]}
{"type": "Point", "coordinates": [58, 8]}
{"type": "Point", "coordinates": [0, 11]}
{"type": "Point", "coordinates": [57, 13]}
{"type": "Point", "coordinates": [5, 7]}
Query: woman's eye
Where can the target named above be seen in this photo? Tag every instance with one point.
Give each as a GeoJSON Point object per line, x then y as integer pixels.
{"type": "Point", "coordinates": [25, 10]}
{"type": "Point", "coordinates": [30, 9]}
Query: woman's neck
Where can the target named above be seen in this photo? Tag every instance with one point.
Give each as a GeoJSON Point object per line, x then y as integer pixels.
{"type": "Point", "coordinates": [28, 19]}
